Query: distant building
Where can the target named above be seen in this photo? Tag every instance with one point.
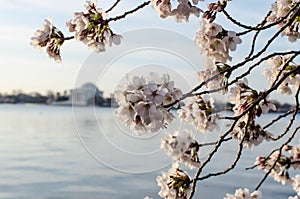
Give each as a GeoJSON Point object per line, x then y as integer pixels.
{"type": "Point", "coordinates": [88, 94]}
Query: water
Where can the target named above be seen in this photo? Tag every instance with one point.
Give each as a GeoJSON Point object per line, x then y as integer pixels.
{"type": "Point", "coordinates": [49, 152]}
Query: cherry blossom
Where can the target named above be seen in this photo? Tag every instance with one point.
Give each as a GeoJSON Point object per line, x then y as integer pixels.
{"type": "Point", "coordinates": [184, 10]}
{"type": "Point", "coordinates": [296, 184]}
{"type": "Point", "coordinates": [243, 96]}
{"type": "Point", "coordinates": [182, 147]}
{"type": "Point", "coordinates": [51, 38]}
{"type": "Point", "coordinates": [295, 197]}
{"type": "Point", "coordinates": [252, 135]}
{"type": "Point", "coordinates": [215, 42]}
{"type": "Point", "coordinates": [276, 65]}
{"type": "Point", "coordinates": [92, 29]}
{"type": "Point", "coordinates": [280, 9]}
{"type": "Point", "coordinates": [279, 172]}
{"type": "Point", "coordinates": [141, 102]}
{"type": "Point", "coordinates": [294, 152]}
{"type": "Point", "coordinates": [175, 184]}
{"type": "Point", "coordinates": [197, 112]}
{"type": "Point", "coordinates": [163, 7]}
{"type": "Point", "coordinates": [181, 13]}
{"type": "Point", "coordinates": [216, 79]}
{"type": "Point", "coordinates": [244, 194]}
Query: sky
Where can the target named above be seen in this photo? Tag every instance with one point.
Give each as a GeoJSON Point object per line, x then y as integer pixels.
{"type": "Point", "coordinates": [24, 68]}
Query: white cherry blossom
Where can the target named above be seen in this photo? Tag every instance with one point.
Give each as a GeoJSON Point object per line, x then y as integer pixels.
{"type": "Point", "coordinates": [144, 100]}
{"type": "Point", "coordinates": [244, 194]}
{"type": "Point", "coordinates": [274, 66]}
{"type": "Point", "coordinates": [175, 184]}
{"type": "Point", "coordinates": [296, 184]}
{"type": "Point", "coordinates": [184, 10]}
{"type": "Point", "coordinates": [197, 112]}
{"type": "Point", "coordinates": [91, 29]}
{"type": "Point", "coordinates": [182, 147]}
{"type": "Point", "coordinates": [215, 42]}
{"type": "Point", "coordinates": [163, 7]}
{"type": "Point", "coordinates": [51, 38]}
{"type": "Point", "coordinates": [279, 10]}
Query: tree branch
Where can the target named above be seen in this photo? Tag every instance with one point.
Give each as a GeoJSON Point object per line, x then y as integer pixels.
{"type": "Point", "coordinates": [113, 6]}
{"type": "Point", "coordinates": [129, 12]}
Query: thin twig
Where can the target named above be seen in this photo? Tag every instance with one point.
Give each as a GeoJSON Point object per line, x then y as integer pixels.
{"type": "Point", "coordinates": [129, 12]}
{"type": "Point", "coordinates": [278, 118]}
{"type": "Point", "coordinates": [113, 6]}
{"type": "Point", "coordinates": [209, 157]}
{"type": "Point", "coordinates": [237, 158]}
{"type": "Point", "coordinates": [257, 27]}
{"type": "Point", "coordinates": [69, 38]}
{"type": "Point", "coordinates": [290, 122]}
{"type": "Point", "coordinates": [213, 143]}
{"type": "Point", "coordinates": [269, 42]}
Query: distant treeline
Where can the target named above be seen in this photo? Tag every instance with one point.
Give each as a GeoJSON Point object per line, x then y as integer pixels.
{"type": "Point", "coordinates": [50, 97]}
{"type": "Point", "coordinates": [37, 98]}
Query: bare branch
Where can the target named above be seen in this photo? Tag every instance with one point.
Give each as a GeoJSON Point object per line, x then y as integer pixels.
{"type": "Point", "coordinates": [257, 27]}
{"type": "Point", "coordinates": [129, 12]}
{"type": "Point", "coordinates": [278, 118]}
{"type": "Point", "coordinates": [113, 6]}
{"type": "Point", "coordinates": [291, 120]}
{"type": "Point", "coordinates": [209, 157]}
{"type": "Point", "coordinates": [237, 158]}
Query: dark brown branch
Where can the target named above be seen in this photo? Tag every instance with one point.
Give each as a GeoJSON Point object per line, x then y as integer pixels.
{"type": "Point", "coordinates": [213, 143]}
{"type": "Point", "coordinates": [269, 42]}
{"type": "Point", "coordinates": [290, 122]}
{"type": "Point", "coordinates": [257, 27]}
{"type": "Point", "coordinates": [129, 12]}
{"type": "Point", "coordinates": [69, 38]}
{"type": "Point", "coordinates": [264, 21]}
{"type": "Point", "coordinates": [209, 157]}
{"type": "Point", "coordinates": [278, 118]}
{"type": "Point", "coordinates": [113, 6]}
{"type": "Point", "coordinates": [237, 158]}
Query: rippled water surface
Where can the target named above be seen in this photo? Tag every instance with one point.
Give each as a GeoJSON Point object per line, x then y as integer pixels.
{"type": "Point", "coordinates": [60, 152]}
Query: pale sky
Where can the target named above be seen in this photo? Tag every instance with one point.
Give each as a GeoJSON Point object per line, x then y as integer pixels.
{"type": "Point", "coordinates": [24, 68]}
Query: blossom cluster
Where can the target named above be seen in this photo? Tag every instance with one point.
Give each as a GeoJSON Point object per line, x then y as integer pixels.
{"type": "Point", "coordinates": [51, 38]}
{"type": "Point", "coordinates": [92, 29]}
{"type": "Point", "coordinates": [215, 42]}
{"type": "Point", "coordinates": [242, 96]}
{"type": "Point", "coordinates": [212, 9]}
{"type": "Point", "coordinates": [198, 112]}
{"type": "Point", "coordinates": [181, 13]}
{"type": "Point", "coordinates": [182, 147]}
{"type": "Point", "coordinates": [142, 102]}
{"type": "Point", "coordinates": [251, 134]}
{"type": "Point", "coordinates": [294, 155]}
{"type": "Point", "coordinates": [279, 10]}
{"type": "Point", "coordinates": [215, 78]}
{"type": "Point", "coordinates": [244, 194]}
{"type": "Point", "coordinates": [279, 164]}
{"type": "Point", "coordinates": [175, 184]}
{"type": "Point", "coordinates": [276, 65]}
